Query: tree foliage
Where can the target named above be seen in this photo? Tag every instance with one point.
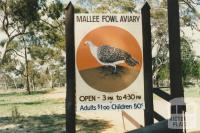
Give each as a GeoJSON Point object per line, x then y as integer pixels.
{"type": "Point", "coordinates": [107, 6]}
{"type": "Point", "coordinates": [37, 26]}
{"type": "Point", "coordinates": [16, 17]}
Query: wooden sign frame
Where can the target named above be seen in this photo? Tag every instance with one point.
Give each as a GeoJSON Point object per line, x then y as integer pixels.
{"type": "Point", "coordinates": [175, 65]}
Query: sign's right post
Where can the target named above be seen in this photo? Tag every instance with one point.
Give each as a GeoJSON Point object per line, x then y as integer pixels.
{"type": "Point", "coordinates": [175, 54]}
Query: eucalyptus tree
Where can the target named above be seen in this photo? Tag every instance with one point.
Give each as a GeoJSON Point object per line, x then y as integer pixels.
{"type": "Point", "coordinates": [107, 6]}
{"type": "Point", "coordinates": [16, 16]}
{"type": "Point", "coordinates": [189, 18]}
{"type": "Point", "coordinates": [35, 25]}
{"type": "Point", "coordinates": [11, 66]}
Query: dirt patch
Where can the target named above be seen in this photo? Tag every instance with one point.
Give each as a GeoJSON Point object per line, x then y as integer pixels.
{"type": "Point", "coordinates": [105, 80]}
{"type": "Point", "coordinates": [56, 94]}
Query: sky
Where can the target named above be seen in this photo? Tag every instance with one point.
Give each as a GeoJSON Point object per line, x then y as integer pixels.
{"type": "Point", "coordinates": [2, 36]}
{"type": "Point", "coordinates": [67, 1]}
{"type": "Point", "coordinates": [196, 36]}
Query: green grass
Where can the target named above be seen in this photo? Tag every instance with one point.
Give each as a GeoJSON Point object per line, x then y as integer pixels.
{"type": "Point", "coordinates": [14, 93]}
{"type": "Point", "coordinates": [190, 91]}
{"type": "Point", "coordinates": [40, 113]}
{"type": "Point", "coordinates": [34, 104]}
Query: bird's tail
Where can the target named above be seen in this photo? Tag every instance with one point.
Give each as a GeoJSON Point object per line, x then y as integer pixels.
{"type": "Point", "coordinates": [130, 61]}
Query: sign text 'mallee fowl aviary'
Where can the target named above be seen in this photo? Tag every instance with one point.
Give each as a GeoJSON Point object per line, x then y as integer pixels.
{"type": "Point", "coordinates": [109, 62]}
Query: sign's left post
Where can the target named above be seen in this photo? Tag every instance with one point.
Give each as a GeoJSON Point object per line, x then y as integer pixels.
{"type": "Point", "coordinates": [70, 70]}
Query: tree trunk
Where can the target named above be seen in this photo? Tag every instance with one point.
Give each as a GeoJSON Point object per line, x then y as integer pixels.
{"type": "Point", "coordinates": [33, 82]}
{"type": "Point", "coordinates": [6, 84]}
{"type": "Point", "coordinates": [14, 83]}
{"type": "Point", "coordinates": [27, 75]}
{"type": "Point", "coordinates": [50, 83]}
{"type": "Point", "coordinates": [3, 50]}
{"type": "Point", "coordinates": [59, 81]}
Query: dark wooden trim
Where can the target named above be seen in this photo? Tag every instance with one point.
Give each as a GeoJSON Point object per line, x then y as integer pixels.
{"type": "Point", "coordinates": [175, 52]}
{"type": "Point", "coordinates": [147, 58]}
{"type": "Point", "coordinates": [70, 61]}
{"type": "Point", "coordinates": [162, 94]}
{"type": "Point", "coordinates": [174, 49]}
{"type": "Point", "coordinates": [158, 117]}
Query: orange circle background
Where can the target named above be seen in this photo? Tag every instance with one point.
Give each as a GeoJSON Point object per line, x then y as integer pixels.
{"type": "Point", "coordinates": [107, 35]}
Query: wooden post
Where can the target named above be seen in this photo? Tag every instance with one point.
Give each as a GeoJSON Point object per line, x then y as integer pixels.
{"type": "Point", "coordinates": [147, 55]}
{"type": "Point", "coordinates": [174, 49]}
{"type": "Point", "coordinates": [70, 59]}
{"type": "Point", "coordinates": [175, 53]}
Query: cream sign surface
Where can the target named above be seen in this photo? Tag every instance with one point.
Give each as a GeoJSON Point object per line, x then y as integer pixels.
{"type": "Point", "coordinates": [109, 62]}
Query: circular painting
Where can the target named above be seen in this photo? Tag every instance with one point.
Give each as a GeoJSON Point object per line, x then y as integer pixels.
{"type": "Point", "coordinates": [109, 59]}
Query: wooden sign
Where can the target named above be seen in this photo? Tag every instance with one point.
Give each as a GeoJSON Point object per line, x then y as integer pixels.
{"type": "Point", "coordinates": [109, 62]}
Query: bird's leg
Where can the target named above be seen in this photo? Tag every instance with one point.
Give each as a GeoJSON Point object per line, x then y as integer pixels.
{"type": "Point", "coordinates": [115, 69]}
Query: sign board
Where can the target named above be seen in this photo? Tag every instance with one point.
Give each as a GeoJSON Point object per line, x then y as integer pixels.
{"type": "Point", "coordinates": [109, 62]}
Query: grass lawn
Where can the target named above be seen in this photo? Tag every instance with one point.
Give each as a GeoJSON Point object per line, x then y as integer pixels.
{"type": "Point", "coordinates": [40, 112]}
{"type": "Point", "coordinates": [44, 112]}
{"type": "Point", "coordinates": [189, 92]}
{"type": "Point", "coordinates": [192, 91]}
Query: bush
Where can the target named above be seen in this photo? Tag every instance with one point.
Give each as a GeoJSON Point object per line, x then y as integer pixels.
{"type": "Point", "coordinates": [16, 116]}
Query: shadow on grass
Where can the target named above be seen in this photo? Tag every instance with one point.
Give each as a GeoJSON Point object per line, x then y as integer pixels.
{"type": "Point", "coordinates": [92, 126]}
{"type": "Point", "coordinates": [23, 103]}
{"type": "Point", "coordinates": [25, 93]}
{"type": "Point", "coordinates": [188, 84]}
{"type": "Point", "coordinates": [50, 124]}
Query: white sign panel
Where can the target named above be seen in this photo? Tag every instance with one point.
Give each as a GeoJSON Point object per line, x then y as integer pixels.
{"type": "Point", "coordinates": [109, 62]}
